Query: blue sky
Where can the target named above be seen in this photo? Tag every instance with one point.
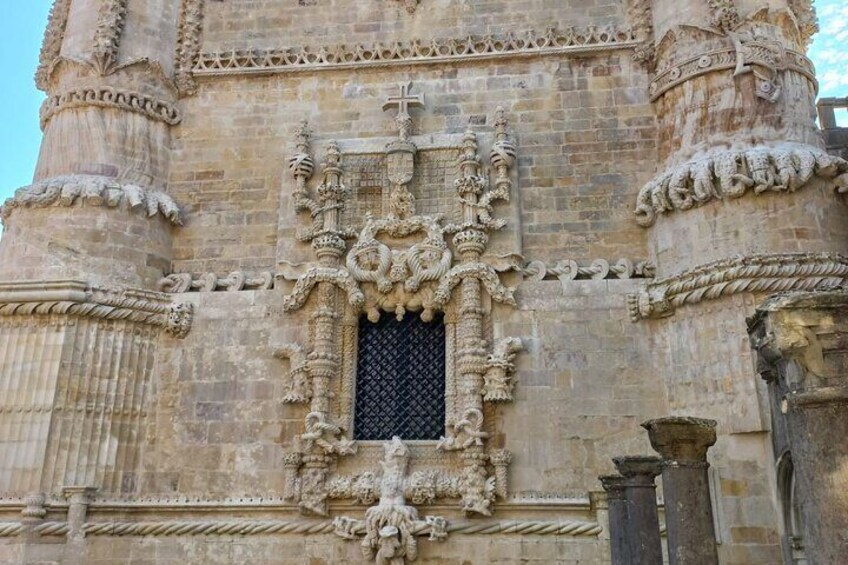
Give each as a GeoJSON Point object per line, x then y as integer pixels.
{"type": "Point", "coordinates": [22, 26]}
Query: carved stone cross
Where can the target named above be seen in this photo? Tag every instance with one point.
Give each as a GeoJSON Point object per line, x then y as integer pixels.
{"type": "Point", "coordinates": [403, 102]}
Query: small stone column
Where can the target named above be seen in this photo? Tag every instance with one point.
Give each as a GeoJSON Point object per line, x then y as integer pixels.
{"type": "Point", "coordinates": [617, 509]}
{"type": "Point", "coordinates": [640, 493]}
{"type": "Point", "coordinates": [800, 343]}
{"type": "Point", "coordinates": [683, 442]}
{"type": "Point", "coordinates": [79, 498]}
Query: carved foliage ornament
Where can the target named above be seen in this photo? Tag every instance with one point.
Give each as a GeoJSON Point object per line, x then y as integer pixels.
{"type": "Point", "coordinates": [732, 174]}
{"type": "Point", "coordinates": [400, 262]}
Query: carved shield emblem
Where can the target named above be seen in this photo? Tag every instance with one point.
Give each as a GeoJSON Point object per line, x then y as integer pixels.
{"type": "Point", "coordinates": [401, 166]}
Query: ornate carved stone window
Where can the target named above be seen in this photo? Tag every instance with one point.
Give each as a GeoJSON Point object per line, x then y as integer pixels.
{"type": "Point", "coordinates": [400, 379]}
{"type": "Point", "coordinates": [403, 313]}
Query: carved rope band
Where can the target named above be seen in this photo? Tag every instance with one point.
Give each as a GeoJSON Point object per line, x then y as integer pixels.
{"type": "Point", "coordinates": [108, 97]}
{"type": "Point", "coordinates": [730, 174]}
{"type": "Point", "coordinates": [301, 527]}
{"type": "Point", "coordinates": [74, 298]}
{"type": "Point", "coordinates": [413, 52]}
{"type": "Point", "coordinates": [91, 190]}
{"type": "Point", "coordinates": [758, 273]}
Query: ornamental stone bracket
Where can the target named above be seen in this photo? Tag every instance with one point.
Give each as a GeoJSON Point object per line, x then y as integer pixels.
{"type": "Point", "coordinates": [732, 174]}
{"type": "Point", "coordinates": [400, 262]}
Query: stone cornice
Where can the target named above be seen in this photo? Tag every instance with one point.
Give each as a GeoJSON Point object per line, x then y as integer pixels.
{"type": "Point", "coordinates": [76, 298]}
{"type": "Point", "coordinates": [91, 190]}
{"type": "Point", "coordinates": [444, 50]}
{"type": "Point", "coordinates": [732, 174]}
{"type": "Point", "coordinates": [110, 97]}
{"type": "Point", "coordinates": [758, 273]}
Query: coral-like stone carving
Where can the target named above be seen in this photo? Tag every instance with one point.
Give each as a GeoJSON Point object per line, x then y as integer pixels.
{"type": "Point", "coordinates": [108, 97]}
{"type": "Point", "coordinates": [758, 273]}
{"type": "Point", "coordinates": [91, 190]}
{"type": "Point", "coordinates": [189, 32]}
{"type": "Point", "coordinates": [498, 380]}
{"type": "Point", "coordinates": [731, 174]}
{"type": "Point", "coordinates": [390, 527]}
{"type": "Point", "coordinates": [51, 47]}
{"type": "Point", "coordinates": [553, 41]}
{"type": "Point", "coordinates": [107, 37]}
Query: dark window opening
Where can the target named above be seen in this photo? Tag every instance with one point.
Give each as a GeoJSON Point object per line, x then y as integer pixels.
{"type": "Point", "coordinates": [400, 378]}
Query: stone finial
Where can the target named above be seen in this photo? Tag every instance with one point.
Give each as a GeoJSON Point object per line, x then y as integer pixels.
{"type": "Point", "coordinates": [681, 438]}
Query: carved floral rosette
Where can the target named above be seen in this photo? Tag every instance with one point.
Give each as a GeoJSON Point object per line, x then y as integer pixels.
{"type": "Point", "coordinates": [396, 265]}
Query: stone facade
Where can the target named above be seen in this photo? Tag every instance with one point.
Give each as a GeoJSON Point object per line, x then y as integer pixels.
{"type": "Point", "coordinates": [593, 195]}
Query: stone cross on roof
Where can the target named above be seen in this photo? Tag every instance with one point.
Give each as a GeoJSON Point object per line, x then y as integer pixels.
{"type": "Point", "coordinates": [403, 102]}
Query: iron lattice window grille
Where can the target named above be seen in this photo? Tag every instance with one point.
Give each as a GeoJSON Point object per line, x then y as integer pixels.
{"type": "Point", "coordinates": [400, 379]}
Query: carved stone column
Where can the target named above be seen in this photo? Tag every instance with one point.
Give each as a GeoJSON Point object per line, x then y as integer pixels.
{"type": "Point", "coordinates": [643, 524]}
{"type": "Point", "coordinates": [800, 342]}
{"type": "Point", "coordinates": [614, 486]}
{"type": "Point", "coordinates": [683, 444]}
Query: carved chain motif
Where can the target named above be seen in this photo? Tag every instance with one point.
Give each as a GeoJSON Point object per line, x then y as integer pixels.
{"type": "Point", "coordinates": [732, 174]}
{"type": "Point", "coordinates": [383, 273]}
{"type": "Point", "coordinates": [109, 97]}
{"type": "Point", "coordinates": [758, 273]}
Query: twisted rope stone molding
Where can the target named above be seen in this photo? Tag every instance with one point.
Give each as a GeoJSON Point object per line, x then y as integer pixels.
{"type": "Point", "coordinates": [299, 59]}
{"type": "Point", "coordinates": [731, 174]}
{"type": "Point", "coordinates": [108, 97]}
{"type": "Point", "coordinates": [91, 190]}
{"type": "Point", "coordinates": [75, 298]}
{"type": "Point", "coordinates": [300, 527]}
{"type": "Point", "coordinates": [758, 273]}
{"type": "Point", "coordinates": [599, 269]}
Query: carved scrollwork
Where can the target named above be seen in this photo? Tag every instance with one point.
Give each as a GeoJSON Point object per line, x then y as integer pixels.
{"type": "Point", "coordinates": [599, 269]}
{"type": "Point", "coordinates": [177, 283]}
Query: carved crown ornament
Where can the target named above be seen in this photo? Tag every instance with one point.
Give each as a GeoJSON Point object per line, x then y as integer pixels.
{"type": "Point", "coordinates": [731, 41]}
{"type": "Point", "coordinates": [401, 261]}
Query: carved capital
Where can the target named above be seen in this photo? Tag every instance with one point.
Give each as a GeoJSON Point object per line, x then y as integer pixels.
{"type": "Point", "coordinates": [681, 439]}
